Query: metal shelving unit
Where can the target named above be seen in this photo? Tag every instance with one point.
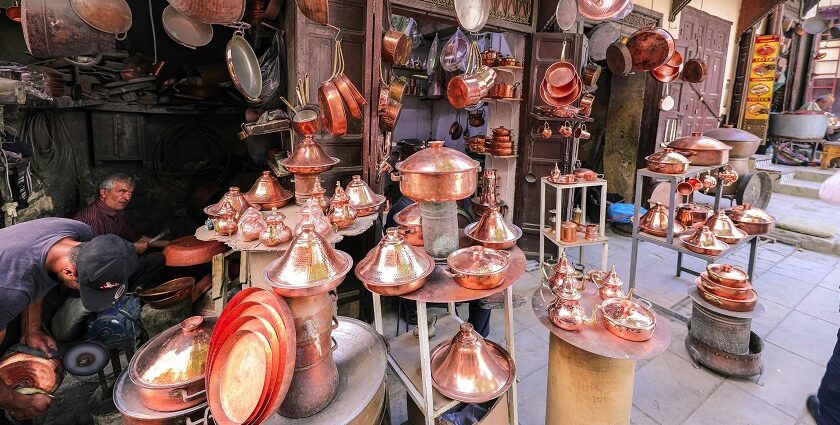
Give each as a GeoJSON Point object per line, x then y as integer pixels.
{"type": "Point", "coordinates": [554, 236]}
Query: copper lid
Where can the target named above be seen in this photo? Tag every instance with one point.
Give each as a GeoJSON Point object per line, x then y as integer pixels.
{"type": "Point", "coordinates": [175, 356]}
{"type": "Point", "coordinates": [612, 278]}
{"type": "Point", "coordinates": [561, 269]}
{"type": "Point", "coordinates": [311, 214]}
{"type": "Point", "coordinates": [267, 190]}
{"type": "Point", "coordinates": [655, 220]}
{"type": "Point", "coordinates": [340, 196]}
{"type": "Point", "coordinates": [275, 217]}
{"type": "Point", "coordinates": [361, 195]}
{"type": "Point", "coordinates": [699, 142]}
{"type": "Point", "coordinates": [730, 134]}
{"type": "Point", "coordinates": [236, 199]}
{"type": "Point", "coordinates": [409, 216]}
{"type": "Point", "coordinates": [308, 153]}
{"type": "Point", "coordinates": [668, 156]}
{"type": "Point", "coordinates": [704, 238]}
{"type": "Point", "coordinates": [724, 228]}
{"type": "Point", "coordinates": [470, 369]}
{"type": "Point", "coordinates": [568, 289]}
{"type": "Point", "coordinates": [492, 228]}
{"type": "Point", "coordinates": [437, 159]}
{"type": "Point", "coordinates": [746, 213]}
{"type": "Point", "coordinates": [394, 262]}
{"type": "Point", "coordinates": [309, 262]}
{"type": "Point", "coordinates": [727, 272]}
{"type": "Point", "coordinates": [477, 260]}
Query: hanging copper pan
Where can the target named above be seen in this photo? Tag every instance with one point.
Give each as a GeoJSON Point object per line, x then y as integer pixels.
{"type": "Point", "coordinates": [316, 10]}
{"type": "Point", "coordinates": [244, 67]}
{"type": "Point", "coordinates": [602, 10]}
{"type": "Point", "coordinates": [560, 73]}
{"type": "Point", "coordinates": [112, 16]}
{"type": "Point", "coordinates": [564, 90]}
{"type": "Point", "coordinates": [343, 84]}
{"type": "Point", "coordinates": [694, 71]}
{"type": "Point", "coordinates": [650, 48]}
{"type": "Point", "coordinates": [619, 59]}
{"type": "Point", "coordinates": [332, 109]}
{"type": "Point", "coordinates": [396, 47]}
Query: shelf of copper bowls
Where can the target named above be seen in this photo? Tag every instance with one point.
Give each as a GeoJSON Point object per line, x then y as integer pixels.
{"type": "Point", "coordinates": [752, 220]}
{"type": "Point", "coordinates": [410, 224]}
{"type": "Point", "coordinates": [267, 193]}
{"type": "Point", "coordinates": [309, 266]}
{"type": "Point", "coordinates": [394, 267]}
{"type": "Point", "coordinates": [21, 370]}
{"type": "Point", "coordinates": [253, 319]}
{"type": "Point", "coordinates": [597, 339]}
{"type": "Point", "coordinates": [362, 197]}
{"type": "Point", "coordinates": [492, 231]}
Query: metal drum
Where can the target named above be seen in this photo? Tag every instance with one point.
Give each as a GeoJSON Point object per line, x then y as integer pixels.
{"type": "Point", "coordinates": [51, 29]}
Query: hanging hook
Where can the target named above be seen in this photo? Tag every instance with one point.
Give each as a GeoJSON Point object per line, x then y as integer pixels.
{"type": "Point", "coordinates": [337, 31]}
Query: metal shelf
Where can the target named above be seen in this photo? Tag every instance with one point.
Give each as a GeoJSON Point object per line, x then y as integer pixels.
{"type": "Point", "coordinates": [579, 242]}
{"type": "Point", "coordinates": [677, 245]}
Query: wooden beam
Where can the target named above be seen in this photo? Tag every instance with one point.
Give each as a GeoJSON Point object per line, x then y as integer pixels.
{"type": "Point", "coordinates": [753, 11]}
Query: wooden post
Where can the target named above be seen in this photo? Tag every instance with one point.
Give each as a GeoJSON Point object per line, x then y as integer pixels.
{"type": "Point", "coordinates": [584, 388]}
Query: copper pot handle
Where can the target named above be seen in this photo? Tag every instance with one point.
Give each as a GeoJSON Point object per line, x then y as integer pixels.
{"type": "Point", "coordinates": [645, 303]}
{"type": "Point", "coordinates": [396, 176]}
{"type": "Point", "coordinates": [181, 393]}
{"type": "Point", "coordinates": [447, 271]}
{"type": "Point", "coordinates": [334, 323]}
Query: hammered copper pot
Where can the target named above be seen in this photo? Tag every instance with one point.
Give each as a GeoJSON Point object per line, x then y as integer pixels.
{"type": "Point", "coordinates": [727, 274]}
{"type": "Point", "coordinates": [437, 174]}
{"type": "Point", "coordinates": [702, 150]}
{"type": "Point", "coordinates": [396, 47]}
{"type": "Point", "coordinates": [395, 264]}
{"type": "Point", "coordinates": [628, 319]}
{"type": "Point", "coordinates": [493, 231]}
{"type": "Point", "coordinates": [754, 221]}
{"type": "Point", "coordinates": [650, 48]}
{"type": "Point", "coordinates": [723, 291]}
{"type": "Point", "coordinates": [411, 224]}
{"type": "Point", "coordinates": [266, 193]}
{"type": "Point", "coordinates": [362, 197]}
{"type": "Point", "coordinates": [310, 266]}
{"type": "Point", "coordinates": [667, 161]}
{"type": "Point", "coordinates": [478, 267]}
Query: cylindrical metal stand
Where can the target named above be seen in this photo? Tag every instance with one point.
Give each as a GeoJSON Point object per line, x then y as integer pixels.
{"type": "Point", "coordinates": [583, 386]}
{"type": "Point", "coordinates": [725, 333]}
{"type": "Point", "coordinates": [303, 187]}
{"type": "Point", "coordinates": [440, 228]}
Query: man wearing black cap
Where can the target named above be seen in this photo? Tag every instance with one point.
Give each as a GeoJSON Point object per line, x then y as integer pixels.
{"type": "Point", "coordinates": [37, 255]}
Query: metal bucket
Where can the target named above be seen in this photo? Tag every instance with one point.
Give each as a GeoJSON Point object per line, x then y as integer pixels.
{"type": "Point", "coordinates": [51, 29]}
{"type": "Point", "coordinates": [724, 333]}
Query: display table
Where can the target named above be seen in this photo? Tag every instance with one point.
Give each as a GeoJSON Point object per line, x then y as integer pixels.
{"type": "Point", "coordinates": [591, 372]}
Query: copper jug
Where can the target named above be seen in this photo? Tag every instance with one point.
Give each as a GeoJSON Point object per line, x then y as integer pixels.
{"type": "Point", "coordinates": [276, 231]}
{"type": "Point", "coordinates": [226, 225]}
{"type": "Point", "coordinates": [341, 214]}
{"type": "Point", "coordinates": [566, 311]}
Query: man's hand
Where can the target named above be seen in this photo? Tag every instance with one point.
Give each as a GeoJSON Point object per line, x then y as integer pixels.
{"type": "Point", "coordinates": [40, 341]}
{"type": "Point", "coordinates": [21, 406]}
{"type": "Point", "coordinates": [141, 246]}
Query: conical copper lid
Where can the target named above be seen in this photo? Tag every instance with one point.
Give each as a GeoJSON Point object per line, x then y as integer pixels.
{"type": "Point", "coordinates": [748, 214]}
{"type": "Point", "coordinates": [361, 195]}
{"type": "Point", "coordinates": [176, 356]}
{"type": "Point", "coordinates": [704, 238]}
{"type": "Point", "coordinates": [311, 214]}
{"type": "Point", "coordinates": [560, 270]}
{"type": "Point", "coordinates": [655, 221]}
{"type": "Point", "coordinates": [470, 369]}
{"type": "Point", "coordinates": [568, 289]}
{"type": "Point", "coordinates": [236, 199]}
{"type": "Point", "coordinates": [438, 159]}
{"type": "Point", "coordinates": [308, 158]}
{"type": "Point", "coordinates": [492, 228]}
{"type": "Point", "coordinates": [267, 192]}
{"type": "Point", "coordinates": [339, 196]}
{"type": "Point", "coordinates": [409, 216]}
{"type": "Point", "coordinates": [310, 265]}
{"type": "Point", "coordinates": [394, 262]}
{"type": "Point", "coordinates": [613, 279]}
{"type": "Point", "coordinates": [724, 228]}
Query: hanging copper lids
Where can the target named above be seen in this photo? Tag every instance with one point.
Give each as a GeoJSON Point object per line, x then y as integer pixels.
{"type": "Point", "coordinates": [169, 369]}
{"type": "Point", "coordinates": [724, 228]}
{"type": "Point", "coordinates": [234, 197]}
{"type": "Point", "coordinates": [394, 262]}
{"type": "Point", "coordinates": [655, 221]}
{"type": "Point", "coordinates": [727, 274]}
{"type": "Point", "coordinates": [470, 369]}
{"type": "Point", "coordinates": [731, 134]}
{"type": "Point", "coordinates": [362, 197]}
{"type": "Point", "coordinates": [308, 158]}
{"type": "Point", "coordinates": [409, 216]}
{"type": "Point", "coordinates": [21, 370]}
{"type": "Point", "coordinates": [267, 193]}
{"type": "Point", "coordinates": [493, 231]}
{"type": "Point", "coordinates": [704, 241]}
{"type": "Point", "coordinates": [310, 266]}
{"type": "Point", "coordinates": [699, 142]}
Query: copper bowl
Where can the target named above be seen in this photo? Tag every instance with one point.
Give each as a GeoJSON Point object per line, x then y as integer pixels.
{"type": "Point", "coordinates": [20, 370]}
{"type": "Point", "coordinates": [628, 319]}
{"type": "Point", "coordinates": [735, 294]}
{"type": "Point", "coordinates": [728, 275]}
{"type": "Point", "coordinates": [478, 267]}
{"type": "Point", "coordinates": [167, 289]}
{"type": "Point", "coordinates": [754, 221]}
{"type": "Point", "coordinates": [171, 300]}
{"type": "Point", "coordinates": [726, 303]}
{"type": "Point", "coordinates": [189, 251]}
{"type": "Point", "coordinates": [410, 224]}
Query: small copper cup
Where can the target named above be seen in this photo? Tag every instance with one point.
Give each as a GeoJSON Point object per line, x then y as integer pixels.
{"type": "Point", "coordinates": [685, 188]}
{"type": "Point", "coordinates": [566, 129]}
{"type": "Point", "coordinates": [695, 183]}
{"type": "Point", "coordinates": [591, 232]}
{"type": "Point", "coordinates": [581, 133]}
{"type": "Point", "coordinates": [568, 231]}
{"type": "Point", "coordinates": [546, 131]}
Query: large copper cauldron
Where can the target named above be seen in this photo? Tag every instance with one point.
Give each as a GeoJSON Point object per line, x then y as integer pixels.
{"type": "Point", "coordinates": [437, 174]}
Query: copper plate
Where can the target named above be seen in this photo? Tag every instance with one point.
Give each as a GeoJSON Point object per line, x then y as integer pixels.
{"type": "Point", "coordinates": [240, 378]}
{"type": "Point", "coordinates": [189, 251]}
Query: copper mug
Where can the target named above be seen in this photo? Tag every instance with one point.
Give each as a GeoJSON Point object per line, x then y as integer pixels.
{"type": "Point", "coordinates": [709, 181]}
{"type": "Point", "coordinates": [685, 188]}
{"type": "Point", "coordinates": [728, 176]}
{"type": "Point", "coordinates": [545, 132]}
{"type": "Point", "coordinates": [591, 232]}
{"type": "Point", "coordinates": [568, 231]}
{"type": "Point", "coordinates": [581, 133]}
{"type": "Point", "coordinates": [586, 101]}
{"type": "Point", "coordinates": [695, 183]}
{"type": "Point", "coordinates": [566, 129]}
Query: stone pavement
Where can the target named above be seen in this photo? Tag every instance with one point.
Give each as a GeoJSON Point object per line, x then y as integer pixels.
{"type": "Point", "coordinates": [799, 289]}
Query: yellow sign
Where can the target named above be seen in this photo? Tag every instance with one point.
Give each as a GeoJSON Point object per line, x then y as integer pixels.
{"type": "Point", "coordinates": [759, 91]}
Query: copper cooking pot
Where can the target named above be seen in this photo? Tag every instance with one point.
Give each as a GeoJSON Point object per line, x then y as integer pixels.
{"type": "Point", "coordinates": [169, 369]}
{"type": "Point", "coordinates": [723, 291]}
{"type": "Point", "coordinates": [628, 319]}
{"type": "Point", "coordinates": [747, 304]}
{"type": "Point", "coordinates": [667, 162]}
{"type": "Point", "coordinates": [437, 174]}
{"type": "Point", "coordinates": [395, 265]}
{"type": "Point", "coordinates": [691, 214]}
{"type": "Point", "coordinates": [266, 193]}
{"type": "Point", "coordinates": [728, 275]}
{"type": "Point", "coordinates": [650, 48]}
{"type": "Point", "coordinates": [586, 174]}
{"type": "Point", "coordinates": [411, 224]}
{"type": "Point", "coordinates": [701, 150]}
{"type": "Point", "coordinates": [478, 267]}
{"type": "Point", "coordinates": [619, 58]}
{"type": "Point", "coordinates": [396, 47]}
{"type": "Point", "coordinates": [464, 90]}
{"type": "Point", "coordinates": [135, 413]}
{"type": "Point", "coordinates": [752, 220]}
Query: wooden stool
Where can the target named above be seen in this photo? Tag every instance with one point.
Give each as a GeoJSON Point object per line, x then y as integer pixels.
{"type": "Point", "coordinates": [831, 150]}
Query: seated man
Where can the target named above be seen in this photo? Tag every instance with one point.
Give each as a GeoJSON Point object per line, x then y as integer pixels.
{"type": "Point", "coordinates": [36, 256]}
{"type": "Point", "coordinates": [107, 215]}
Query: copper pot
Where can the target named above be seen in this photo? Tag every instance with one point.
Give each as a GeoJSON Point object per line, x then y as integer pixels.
{"type": "Point", "coordinates": [437, 174]}
{"type": "Point", "coordinates": [307, 121]}
{"type": "Point", "coordinates": [590, 75]}
{"type": "Point", "coordinates": [502, 151]}
{"type": "Point", "coordinates": [169, 369]}
{"type": "Point", "coordinates": [501, 131]}
{"type": "Point", "coordinates": [655, 221]}
{"type": "Point", "coordinates": [135, 413]}
{"type": "Point", "coordinates": [728, 275]}
{"type": "Point", "coordinates": [704, 241]}
{"type": "Point", "coordinates": [503, 90]}
{"type": "Point", "coordinates": [312, 389]}
{"type": "Point", "coordinates": [364, 200]}
{"type": "Point", "coordinates": [502, 146]}
{"type": "Point", "coordinates": [627, 319]}
{"type": "Point", "coordinates": [691, 214]}
{"type": "Point", "coordinates": [478, 267]}
{"type": "Point", "coordinates": [236, 201]}
{"type": "Point", "coordinates": [744, 305]}
{"type": "Point", "coordinates": [586, 174]}
{"type": "Point", "coordinates": [493, 231]}
{"type": "Point", "coordinates": [507, 61]}
{"type": "Point", "coordinates": [752, 220]}
{"type": "Point", "coordinates": [396, 47]}
{"type": "Point", "coordinates": [266, 193]}
{"type": "Point", "coordinates": [722, 291]}
{"type": "Point", "coordinates": [650, 48]}
{"type": "Point", "coordinates": [20, 370]}
{"type": "Point", "coordinates": [702, 150]}
{"type": "Point", "coordinates": [411, 224]}
{"type": "Point", "coordinates": [501, 139]}
{"type": "Point", "coordinates": [395, 264]}
{"type": "Point", "coordinates": [667, 161]}
{"type": "Point", "coordinates": [464, 90]}
{"type": "Point", "coordinates": [568, 231]}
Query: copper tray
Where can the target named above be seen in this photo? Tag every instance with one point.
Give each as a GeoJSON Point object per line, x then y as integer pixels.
{"type": "Point", "coordinates": [189, 251]}
{"type": "Point", "coordinates": [246, 366]}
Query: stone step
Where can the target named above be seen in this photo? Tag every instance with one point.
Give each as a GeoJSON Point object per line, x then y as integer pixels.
{"type": "Point", "coordinates": [812, 174]}
{"type": "Point", "coordinates": [793, 186]}
{"type": "Point", "coordinates": [785, 173]}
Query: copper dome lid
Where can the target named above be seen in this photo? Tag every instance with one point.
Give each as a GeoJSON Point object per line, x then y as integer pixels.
{"type": "Point", "coordinates": [361, 195]}
{"type": "Point", "coordinates": [727, 273]}
{"type": "Point", "coordinates": [700, 143]}
{"type": "Point", "coordinates": [310, 266]}
{"type": "Point", "coordinates": [394, 262]}
{"type": "Point", "coordinates": [655, 221]}
{"type": "Point", "coordinates": [561, 269]}
{"type": "Point", "coordinates": [438, 159]}
{"type": "Point", "coordinates": [477, 260]}
{"type": "Point", "coordinates": [492, 228]}
{"type": "Point", "coordinates": [409, 216]}
{"type": "Point", "coordinates": [724, 228]}
{"type": "Point", "coordinates": [731, 134]}
{"type": "Point", "coordinates": [235, 197]}
{"type": "Point", "coordinates": [308, 158]}
{"type": "Point", "coordinates": [470, 369]}
{"type": "Point", "coordinates": [746, 213]}
{"type": "Point", "coordinates": [175, 356]}
{"type": "Point", "coordinates": [668, 156]}
{"type": "Point", "coordinates": [705, 240]}
{"type": "Point", "coordinates": [267, 193]}
{"type": "Point", "coordinates": [612, 278]}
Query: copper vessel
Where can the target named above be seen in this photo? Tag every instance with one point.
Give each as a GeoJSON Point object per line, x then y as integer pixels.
{"type": "Point", "coordinates": [566, 312]}
{"type": "Point", "coordinates": [212, 11]}
{"type": "Point", "coordinates": [628, 319]}
{"type": "Point", "coordinates": [724, 228]}
{"type": "Point", "coordinates": [189, 251]}
{"type": "Point", "coordinates": [20, 370]}
{"type": "Point", "coordinates": [438, 174]}
{"type": "Point", "coordinates": [310, 266]}
{"type": "Point", "coordinates": [319, 195]}
{"type": "Point", "coordinates": [411, 224]}
{"type": "Point", "coordinates": [396, 47]}
{"type": "Point", "coordinates": [752, 220]}
{"type": "Point", "coordinates": [704, 241]}
{"type": "Point", "coordinates": [650, 48]}
{"type": "Point", "coordinates": [311, 214]}
{"type": "Point", "coordinates": [276, 231]}
{"type": "Point", "coordinates": [493, 231]}
{"type": "Point", "coordinates": [655, 221]}
{"type": "Point", "coordinates": [690, 214]}
{"type": "Point", "coordinates": [747, 304]}
{"type": "Point", "coordinates": [723, 291]}
{"type": "Point", "coordinates": [306, 161]}
{"type": "Point", "coordinates": [667, 161]}
{"type": "Point", "coordinates": [560, 270]}
{"type": "Point", "coordinates": [227, 222]}
{"type": "Point", "coordinates": [240, 376]}
{"type": "Point", "coordinates": [169, 369]}
{"type": "Point", "coordinates": [250, 225]}
{"type": "Point", "coordinates": [728, 275]}
{"type": "Point", "coordinates": [135, 413]}
{"type": "Point", "coordinates": [113, 16]}
{"type": "Point", "coordinates": [341, 214]}
{"type": "Point", "coordinates": [266, 193]}
{"type": "Point", "coordinates": [608, 283]}
{"type": "Point", "coordinates": [362, 198]}
{"type": "Point", "coordinates": [236, 200]}
{"type": "Point", "coordinates": [312, 389]}
{"type": "Point", "coordinates": [555, 175]}
{"type": "Point", "coordinates": [702, 150]}
{"type": "Point", "coordinates": [591, 232]}
{"type": "Point", "coordinates": [478, 267]}
{"type": "Point", "coordinates": [395, 266]}
{"type": "Point", "coordinates": [470, 369]}
{"type": "Point", "coordinates": [568, 231]}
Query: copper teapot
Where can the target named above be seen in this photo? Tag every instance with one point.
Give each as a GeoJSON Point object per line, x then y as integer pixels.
{"type": "Point", "coordinates": [567, 313]}
{"type": "Point", "coordinates": [561, 269]}
{"type": "Point", "coordinates": [609, 286]}
{"type": "Point", "coordinates": [341, 214]}
{"type": "Point", "coordinates": [226, 225]}
{"type": "Point", "coordinates": [276, 231]}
